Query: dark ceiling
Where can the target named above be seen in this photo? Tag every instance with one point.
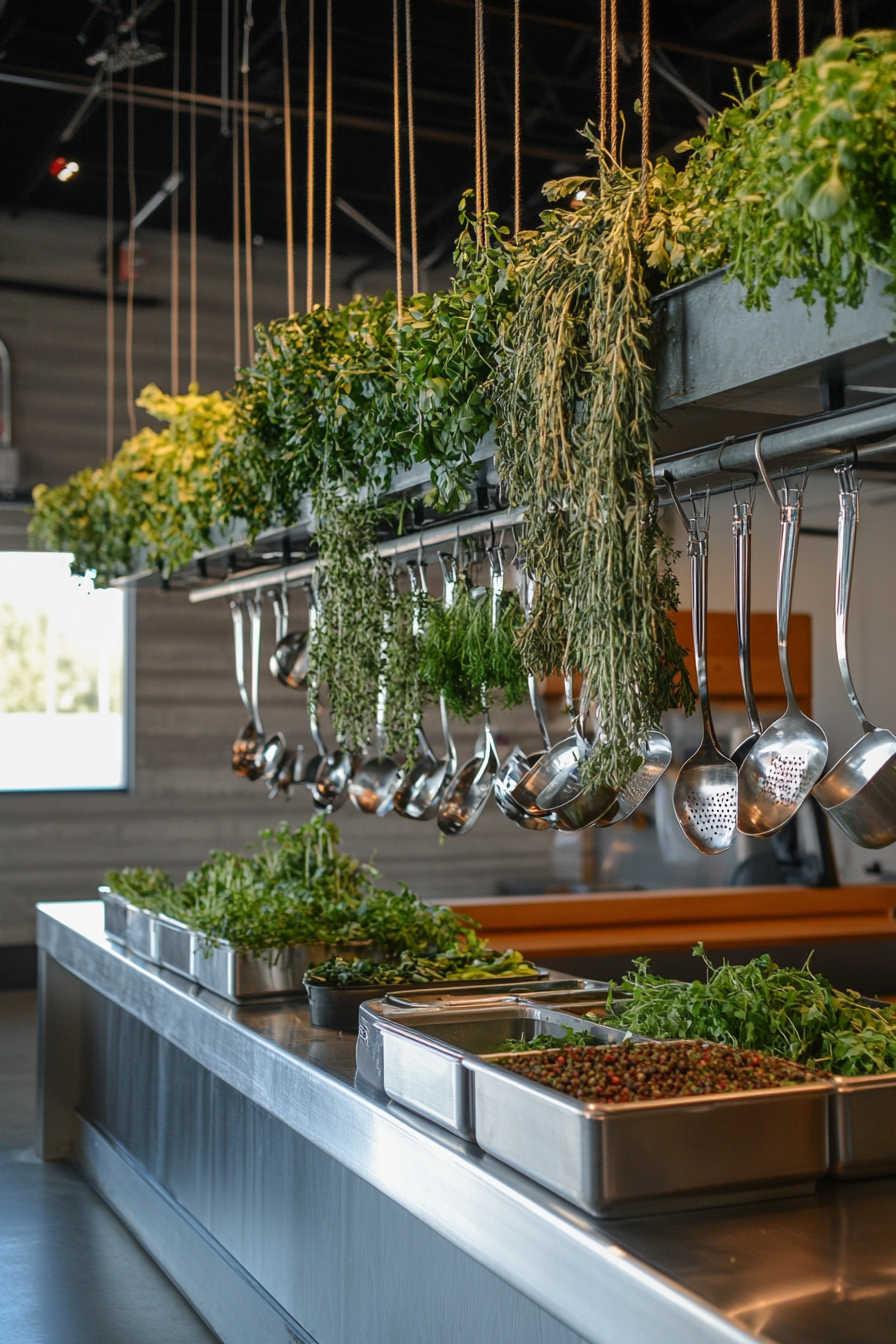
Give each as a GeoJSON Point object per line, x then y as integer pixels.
{"type": "Point", "coordinates": [49, 42]}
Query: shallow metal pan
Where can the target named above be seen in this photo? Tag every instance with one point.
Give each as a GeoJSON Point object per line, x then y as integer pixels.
{"type": "Point", "coordinates": [863, 1127]}
{"type": "Point", "coordinates": [178, 946]}
{"type": "Point", "coordinates": [239, 976]}
{"type": "Point", "coordinates": [654, 1156]}
{"type": "Point", "coordinates": [417, 1056]}
{"type": "Point", "coordinates": [115, 915]}
{"type": "Point", "coordinates": [142, 933]}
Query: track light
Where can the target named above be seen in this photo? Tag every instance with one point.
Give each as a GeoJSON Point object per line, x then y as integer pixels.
{"type": "Point", "coordinates": [64, 169]}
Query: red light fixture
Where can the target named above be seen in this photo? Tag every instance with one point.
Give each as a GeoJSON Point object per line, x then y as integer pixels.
{"type": "Point", "coordinates": [64, 169]}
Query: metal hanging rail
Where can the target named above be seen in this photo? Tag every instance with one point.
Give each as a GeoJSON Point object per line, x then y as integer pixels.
{"type": "Point", "coordinates": [429, 539]}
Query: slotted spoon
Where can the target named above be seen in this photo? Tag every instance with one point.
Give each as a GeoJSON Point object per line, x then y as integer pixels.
{"type": "Point", "coordinates": [788, 759]}
{"type": "Point", "coordinates": [705, 794]}
{"type": "Point", "coordinates": [742, 524]}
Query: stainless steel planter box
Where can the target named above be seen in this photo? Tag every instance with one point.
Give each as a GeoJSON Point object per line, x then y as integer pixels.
{"type": "Point", "coordinates": [418, 1057]}
{"type": "Point", "coordinates": [178, 946]}
{"type": "Point", "coordinates": [653, 1156]}
{"type": "Point", "coordinates": [115, 918]}
{"type": "Point", "coordinates": [863, 1127]}
{"type": "Point", "coordinates": [143, 933]}
{"type": "Point", "coordinates": [239, 975]}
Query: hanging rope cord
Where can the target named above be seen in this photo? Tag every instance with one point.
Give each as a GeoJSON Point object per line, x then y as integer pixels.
{"type": "Point", "coordinates": [175, 209]}
{"type": "Point", "coordinates": [776, 37]}
{"type": "Point", "coordinates": [287, 166]}
{"type": "Point", "coordinates": [235, 197]}
{"type": "Point", "coordinates": [645, 110]}
{"type": "Point", "coordinates": [602, 73]}
{"type": "Point", "coordinates": [412, 155]}
{"type": "Point", "coordinates": [483, 156]}
{"type": "Point", "coordinates": [247, 188]}
{"type": "Point", "coordinates": [396, 146]}
{"type": "Point", "coordinates": [132, 234]}
{"type": "Point", "coordinates": [309, 216]}
{"type": "Point", "coordinates": [838, 17]}
{"type": "Point", "coordinates": [801, 27]}
{"type": "Point", "coordinates": [517, 120]}
{"type": "Point", "coordinates": [614, 80]}
{"type": "Point", "coordinates": [110, 270]}
{"type": "Point", "coordinates": [194, 249]}
{"type": "Point", "coordinates": [328, 165]}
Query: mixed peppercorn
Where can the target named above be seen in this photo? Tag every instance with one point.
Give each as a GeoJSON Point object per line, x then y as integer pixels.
{"type": "Point", "coordinates": [648, 1071]}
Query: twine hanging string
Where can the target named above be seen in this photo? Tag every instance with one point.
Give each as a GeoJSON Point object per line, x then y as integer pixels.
{"type": "Point", "coordinates": [225, 68]}
{"type": "Point", "coordinates": [110, 270]}
{"type": "Point", "coordinates": [194, 257]}
{"type": "Point", "coordinates": [412, 158]}
{"type": "Point", "coordinates": [602, 70]}
{"type": "Point", "coordinates": [801, 27]}
{"type": "Point", "coordinates": [175, 207]}
{"type": "Point", "coordinates": [614, 80]}
{"type": "Point", "coordinates": [477, 115]}
{"type": "Point", "coordinates": [287, 166]}
{"type": "Point", "coordinates": [517, 120]}
{"type": "Point", "coordinates": [396, 144]}
{"type": "Point", "coordinates": [247, 189]}
{"type": "Point", "coordinates": [776, 40]}
{"type": "Point", "coordinates": [328, 166]}
{"type": "Point", "coordinates": [132, 239]}
{"type": "Point", "coordinates": [235, 198]}
{"type": "Point", "coordinates": [645, 110]}
{"type": "Point", "coordinates": [838, 17]}
{"type": "Point", "coordinates": [309, 206]}
{"type": "Point", "coordinates": [480, 23]}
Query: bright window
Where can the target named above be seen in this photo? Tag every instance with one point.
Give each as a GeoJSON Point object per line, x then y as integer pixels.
{"type": "Point", "coordinates": [63, 656]}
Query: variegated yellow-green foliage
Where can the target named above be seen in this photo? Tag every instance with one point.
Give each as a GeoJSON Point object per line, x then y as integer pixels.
{"type": "Point", "coordinates": [153, 502]}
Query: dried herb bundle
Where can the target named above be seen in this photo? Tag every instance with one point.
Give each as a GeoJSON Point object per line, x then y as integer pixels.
{"type": "Point", "coordinates": [574, 390]}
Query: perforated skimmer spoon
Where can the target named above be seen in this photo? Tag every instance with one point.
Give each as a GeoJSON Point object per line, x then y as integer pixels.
{"type": "Point", "coordinates": [788, 759]}
{"type": "Point", "coordinates": [417, 796]}
{"type": "Point", "coordinates": [247, 759]}
{"type": "Point", "coordinates": [705, 794]}
{"type": "Point", "coordinates": [859, 792]}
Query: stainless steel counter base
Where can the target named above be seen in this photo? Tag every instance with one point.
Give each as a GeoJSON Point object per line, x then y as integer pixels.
{"type": "Point", "coordinates": [354, 1222]}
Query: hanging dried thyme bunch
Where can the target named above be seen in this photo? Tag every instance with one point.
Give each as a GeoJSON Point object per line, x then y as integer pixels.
{"type": "Point", "coordinates": [354, 593]}
{"type": "Point", "coordinates": [574, 390]}
{"type": "Point", "coordinates": [405, 696]}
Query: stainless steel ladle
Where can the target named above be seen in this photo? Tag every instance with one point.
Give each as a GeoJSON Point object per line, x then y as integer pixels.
{"type": "Point", "coordinates": [705, 794]}
{"type": "Point", "coordinates": [859, 792]}
{"type": "Point", "coordinates": [247, 760]}
{"type": "Point", "coordinates": [788, 759]}
{"type": "Point", "coordinates": [518, 764]}
{"type": "Point", "coordinates": [553, 786]}
{"type": "Point", "coordinates": [372, 786]}
{"type": "Point", "coordinates": [289, 661]}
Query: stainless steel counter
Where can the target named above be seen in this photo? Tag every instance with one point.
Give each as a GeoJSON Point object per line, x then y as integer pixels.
{"type": "Point", "coordinates": [289, 1205]}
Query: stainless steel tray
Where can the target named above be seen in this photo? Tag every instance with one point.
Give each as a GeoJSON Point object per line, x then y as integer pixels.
{"type": "Point", "coordinates": [653, 1156]}
{"type": "Point", "coordinates": [142, 933]}
{"type": "Point", "coordinates": [455, 996]}
{"type": "Point", "coordinates": [178, 946]}
{"type": "Point", "coordinates": [237, 975]}
{"type": "Point", "coordinates": [115, 919]}
{"type": "Point", "coordinates": [417, 1056]}
{"type": "Point", "coordinates": [863, 1127]}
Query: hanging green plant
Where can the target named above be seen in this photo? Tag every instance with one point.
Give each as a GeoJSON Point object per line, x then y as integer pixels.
{"type": "Point", "coordinates": [463, 658]}
{"type": "Point", "coordinates": [574, 388]}
{"type": "Point", "coordinates": [797, 179]}
{"type": "Point", "coordinates": [154, 500]}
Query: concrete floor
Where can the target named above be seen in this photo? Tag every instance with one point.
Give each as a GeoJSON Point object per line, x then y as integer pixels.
{"type": "Point", "coordinates": [70, 1272]}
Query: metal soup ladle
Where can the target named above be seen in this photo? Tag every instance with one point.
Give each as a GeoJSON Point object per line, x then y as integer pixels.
{"type": "Point", "coordinates": [741, 525]}
{"type": "Point", "coordinates": [309, 770]}
{"type": "Point", "coordinates": [469, 790]}
{"type": "Point", "coordinates": [705, 793]}
{"type": "Point", "coordinates": [788, 759]}
{"type": "Point", "coordinates": [859, 792]}
{"type": "Point", "coordinates": [573, 806]}
{"type": "Point", "coordinates": [420, 790]}
{"type": "Point", "coordinates": [289, 661]}
{"type": "Point", "coordinates": [247, 747]}
{"type": "Point", "coordinates": [372, 787]}
{"type": "Point", "coordinates": [518, 764]}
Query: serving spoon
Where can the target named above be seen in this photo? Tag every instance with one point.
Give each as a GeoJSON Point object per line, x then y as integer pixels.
{"type": "Point", "coordinates": [419, 792]}
{"type": "Point", "coordinates": [372, 786]}
{"type": "Point", "coordinates": [742, 523]}
{"type": "Point", "coordinates": [705, 793]}
{"type": "Point", "coordinates": [787, 760]}
{"type": "Point", "coordinates": [247, 748]}
{"type": "Point", "coordinates": [516, 765]}
{"type": "Point", "coordinates": [859, 792]}
{"type": "Point", "coordinates": [289, 661]}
